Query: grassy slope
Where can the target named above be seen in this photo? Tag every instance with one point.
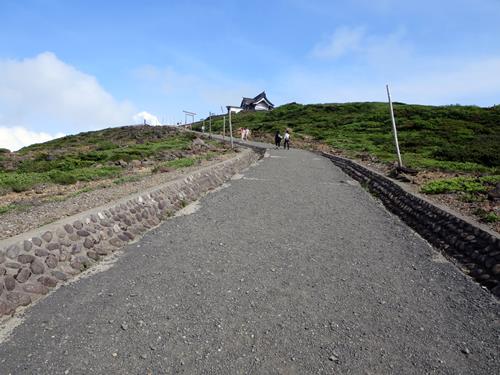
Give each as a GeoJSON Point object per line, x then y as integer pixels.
{"type": "Point", "coordinates": [87, 156]}
{"type": "Point", "coordinates": [454, 138]}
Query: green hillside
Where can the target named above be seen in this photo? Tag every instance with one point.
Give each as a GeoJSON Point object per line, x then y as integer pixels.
{"type": "Point", "coordinates": [116, 153]}
{"type": "Point", "coordinates": [453, 138]}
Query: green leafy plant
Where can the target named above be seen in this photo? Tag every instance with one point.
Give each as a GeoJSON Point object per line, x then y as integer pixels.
{"type": "Point", "coordinates": [460, 184]}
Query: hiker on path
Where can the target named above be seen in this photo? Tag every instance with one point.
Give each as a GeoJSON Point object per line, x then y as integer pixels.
{"type": "Point", "coordinates": [286, 144]}
{"type": "Point", "coordinates": [277, 139]}
{"type": "Point", "coordinates": [242, 133]}
{"type": "Point", "coordinates": [203, 128]}
{"type": "Point", "coordinates": [247, 133]}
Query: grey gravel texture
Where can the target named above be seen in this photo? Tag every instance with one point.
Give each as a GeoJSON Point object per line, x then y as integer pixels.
{"type": "Point", "coordinates": [292, 269]}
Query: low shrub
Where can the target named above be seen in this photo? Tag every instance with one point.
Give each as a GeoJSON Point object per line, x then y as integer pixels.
{"type": "Point", "coordinates": [460, 184]}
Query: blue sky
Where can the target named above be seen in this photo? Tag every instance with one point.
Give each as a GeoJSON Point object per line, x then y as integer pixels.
{"type": "Point", "coordinates": [71, 66]}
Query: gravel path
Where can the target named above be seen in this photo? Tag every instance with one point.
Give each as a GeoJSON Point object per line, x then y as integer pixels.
{"type": "Point", "coordinates": [292, 269]}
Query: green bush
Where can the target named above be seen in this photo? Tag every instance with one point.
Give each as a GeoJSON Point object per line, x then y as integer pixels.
{"type": "Point", "coordinates": [63, 178]}
{"type": "Point", "coordinates": [457, 138]}
{"type": "Point", "coordinates": [459, 184]}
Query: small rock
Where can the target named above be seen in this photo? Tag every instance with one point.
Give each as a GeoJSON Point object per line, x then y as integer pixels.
{"type": "Point", "coordinates": [25, 258]}
{"type": "Point", "coordinates": [12, 251]}
{"type": "Point", "coordinates": [84, 261]}
{"type": "Point", "coordinates": [88, 243]}
{"type": "Point", "coordinates": [78, 225]}
{"type": "Point", "coordinates": [82, 233]}
{"type": "Point", "coordinates": [65, 242]}
{"type": "Point", "coordinates": [75, 264]}
{"type": "Point", "coordinates": [13, 265]}
{"type": "Point", "coordinates": [37, 267]}
{"type": "Point", "coordinates": [101, 251]}
{"type": "Point", "coordinates": [59, 275]}
{"type": "Point", "coordinates": [92, 255]}
{"type": "Point", "coordinates": [9, 282]}
{"type": "Point", "coordinates": [465, 350]}
{"type": "Point", "coordinates": [18, 299]}
{"type": "Point", "coordinates": [41, 252]}
{"type": "Point", "coordinates": [35, 288]}
{"type": "Point", "coordinates": [124, 326]}
{"type": "Point", "coordinates": [47, 281]}
{"type": "Point", "coordinates": [6, 308]}
{"type": "Point", "coordinates": [68, 228]}
{"type": "Point", "coordinates": [53, 246]}
{"type": "Point", "coordinates": [23, 275]}
{"type": "Point", "coordinates": [64, 256]}
{"type": "Point", "coordinates": [47, 236]}
{"type": "Point", "coordinates": [76, 248]}
{"type": "Point", "coordinates": [333, 358]}
{"type": "Point", "coordinates": [36, 241]}
{"type": "Point", "coordinates": [123, 237]}
{"type": "Point", "coordinates": [60, 232]}
{"type": "Point", "coordinates": [494, 195]}
{"type": "Point", "coordinates": [27, 245]}
{"type": "Point", "coordinates": [116, 242]}
{"type": "Point", "coordinates": [51, 261]}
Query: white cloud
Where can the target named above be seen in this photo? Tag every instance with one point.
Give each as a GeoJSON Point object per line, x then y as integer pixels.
{"type": "Point", "coordinates": [150, 119]}
{"type": "Point", "coordinates": [17, 137]}
{"type": "Point", "coordinates": [41, 97]}
{"type": "Point", "coordinates": [343, 41]}
{"type": "Point", "coordinates": [47, 89]}
{"type": "Point", "coordinates": [370, 48]}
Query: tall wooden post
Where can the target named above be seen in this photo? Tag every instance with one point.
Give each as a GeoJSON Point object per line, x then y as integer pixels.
{"type": "Point", "coordinates": [394, 130]}
{"type": "Point", "coordinates": [223, 127]}
{"type": "Point", "coordinates": [230, 128]}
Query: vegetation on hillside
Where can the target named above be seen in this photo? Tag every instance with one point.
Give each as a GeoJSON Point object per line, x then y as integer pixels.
{"type": "Point", "coordinates": [95, 155]}
{"type": "Point", "coordinates": [453, 138]}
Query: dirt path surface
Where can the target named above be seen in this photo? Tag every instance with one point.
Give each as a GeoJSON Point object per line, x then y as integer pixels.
{"type": "Point", "coordinates": [292, 269]}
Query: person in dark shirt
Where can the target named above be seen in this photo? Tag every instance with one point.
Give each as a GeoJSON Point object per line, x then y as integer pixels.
{"type": "Point", "coordinates": [277, 139]}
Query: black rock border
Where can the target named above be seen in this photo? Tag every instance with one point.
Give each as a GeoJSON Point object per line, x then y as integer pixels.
{"type": "Point", "coordinates": [476, 251]}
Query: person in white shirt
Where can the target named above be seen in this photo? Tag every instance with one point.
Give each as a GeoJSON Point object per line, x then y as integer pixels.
{"type": "Point", "coordinates": [286, 143]}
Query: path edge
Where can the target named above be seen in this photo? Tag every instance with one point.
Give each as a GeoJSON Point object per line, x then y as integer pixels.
{"type": "Point", "coordinates": [34, 262]}
{"type": "Point", "coordinates": [475, 250]}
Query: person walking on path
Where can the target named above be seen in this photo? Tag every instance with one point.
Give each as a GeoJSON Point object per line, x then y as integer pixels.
{"type": "Point", "coordinates": [286, 144]}
{"type": "Point", "coordinates": [277, 139]}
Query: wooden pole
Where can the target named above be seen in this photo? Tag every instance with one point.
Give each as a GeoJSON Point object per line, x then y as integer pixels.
{"type": "Point", "coordinates": [210, 125]}
{"type": "Point", "coordinates": [223, 127]}
{"type": "Point", "coordinates": [394, 130]}
{"type": "Point", "coordinates": [230, 128]}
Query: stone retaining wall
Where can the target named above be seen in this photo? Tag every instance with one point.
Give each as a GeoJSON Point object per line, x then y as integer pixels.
{"type": "Point", "coordinates": [476, 250]}
{"type": "Point", "coordinates": [32, 263]}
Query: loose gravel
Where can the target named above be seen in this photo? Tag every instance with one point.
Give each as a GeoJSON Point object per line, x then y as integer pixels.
{"type": "Point", "coordinates": [293, 269]}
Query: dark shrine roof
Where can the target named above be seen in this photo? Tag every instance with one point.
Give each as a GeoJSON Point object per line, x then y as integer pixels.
{"type": "Point", "coordinates": [250, 101]}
